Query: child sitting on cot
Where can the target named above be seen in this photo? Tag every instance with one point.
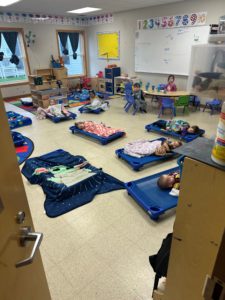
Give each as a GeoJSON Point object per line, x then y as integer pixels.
{"type": "Point", "coordinates": [178, 126]}
{"type": "Point", "coordinates": [143, 148]}
{"type": "Point", "coordinates": [96, 102]}
{"type": "Point", "coordinates": [139, 98]}
{"type": "Point", "coordinates": [56, 110]}
{"type": "Point", "coordinates": [98, 129]}
{"type": "Point", "coordinates": [171, 86]}
{"type": "Point", "coordinates": [170, 181]}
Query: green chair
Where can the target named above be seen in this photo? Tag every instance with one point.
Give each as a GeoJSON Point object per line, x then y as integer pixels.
{"type": "Point", "coordinates": [183, 101]}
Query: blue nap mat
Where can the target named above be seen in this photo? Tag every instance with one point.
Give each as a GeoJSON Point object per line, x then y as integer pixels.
{"type": "Point", "coordinates": [187, 137]}
{"type": "Point", "coordinates": [61, 198]}
{"type": "Point", "coordinates": [85, 109]}
{"type": "Point", "coordinates": [149, 196]}
{"type": "Point", "coordinates": [55, 119]}
{"type": "Point", "coordinates": [102, 140]}
{"type": "Point", "coordinates": [16, 120]}
{"type": "Point", "coordinates": [138, 162]}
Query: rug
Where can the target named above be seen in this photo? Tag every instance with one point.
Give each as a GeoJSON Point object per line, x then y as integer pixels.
{"type": "Point", "coordinates": [17, 102]}
{"type": "Point", "coordinates": [75, 103]}
{"type": "Point", "coordinates": [24, 151]}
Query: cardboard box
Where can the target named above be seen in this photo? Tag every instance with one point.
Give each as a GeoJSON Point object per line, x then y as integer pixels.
{"type": "Point", "coordinates": [94, 83]}
{"type": "Point", "coordinates": [60, 73]}
{"type": "Point", "coordinates": [44, 86]}
{"type": "Point", "coordinates": [43, 103]}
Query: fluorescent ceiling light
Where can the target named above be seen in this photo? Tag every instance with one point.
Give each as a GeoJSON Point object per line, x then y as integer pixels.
{"type": "Point", "coordinates": [83, 10]}
{"type": "Point", "coordinates": [8, 2]}
{"type": "Point", "coordinates": [40, 18]}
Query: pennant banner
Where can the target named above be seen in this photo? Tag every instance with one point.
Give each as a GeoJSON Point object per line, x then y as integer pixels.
{"type": "Point", "coordinates": [49, 19]}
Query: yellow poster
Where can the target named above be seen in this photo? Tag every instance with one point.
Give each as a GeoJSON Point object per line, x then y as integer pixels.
{"type": "Point", "coordinates": [108, 45]}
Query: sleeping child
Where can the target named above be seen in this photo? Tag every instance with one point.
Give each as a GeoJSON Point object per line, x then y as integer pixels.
{"type": "Point", "coordinates": [177, 126]}
{"type": "Point", "coordinates": [56, 110]}
{"type": "Point", "coordinates": [141, 148]}
{"type": "Point", "coordinates": [98, 129]}
{"type": "Point", "coordinates": [170, 181]}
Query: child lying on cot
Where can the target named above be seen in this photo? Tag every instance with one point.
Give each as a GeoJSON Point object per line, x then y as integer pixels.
{"type": "Point", "coordinates": [141, 148]}
{"type": "Point", "coordinates": [56, 110]}
{"type": "Point", "coordinates": [170, 181]}
{"type": "Point", "coordinates": [178, 126]}
{"type": "Point", "coordinates": [96, 102]}
{"type": "Point", "coordinates": [98, 129]}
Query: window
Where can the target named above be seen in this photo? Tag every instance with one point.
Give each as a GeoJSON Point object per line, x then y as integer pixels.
{"type": "Point", "coordinates": [75, 64]}
{"type": "Point", "coordinates": [10, 72]}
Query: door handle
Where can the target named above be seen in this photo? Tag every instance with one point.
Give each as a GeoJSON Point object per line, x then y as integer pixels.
{"type": "Point", "coordinates": [27, 235]}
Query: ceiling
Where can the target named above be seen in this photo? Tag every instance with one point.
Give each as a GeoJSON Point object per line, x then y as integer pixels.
{"type": "Point", "coordinates": [60, 7]}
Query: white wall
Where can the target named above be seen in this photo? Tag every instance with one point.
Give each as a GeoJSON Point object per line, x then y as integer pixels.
{"type": "Point", "coordinates": [39, 53]}
{"type": "Point", "coordinates": [126, 23]}
{"type": "Point", "coordinates": [46, 42]}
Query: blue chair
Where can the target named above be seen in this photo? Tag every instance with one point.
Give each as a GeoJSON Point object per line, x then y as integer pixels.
{"type": "Point", "coordinates": [214, 105]}
{"type": "Point", "coordinates": [128, 87]}
{"type": "Point", "coordinates": [195, 102]}
{"type": "Point", "coordinates": [167, 103]}
{"type": "Point", "coordinates": [130, 102]}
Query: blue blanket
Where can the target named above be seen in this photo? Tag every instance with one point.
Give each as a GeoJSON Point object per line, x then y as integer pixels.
{"type": "Point", "coordinates": [16, 120]}
{"type": "Point", "coordinates": [61, 198]}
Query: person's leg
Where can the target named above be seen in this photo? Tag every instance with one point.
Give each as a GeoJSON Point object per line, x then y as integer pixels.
{"type": "Point", "coordinates": [144, 106]}
{"type": "Point", "coordinates": [65, 112]}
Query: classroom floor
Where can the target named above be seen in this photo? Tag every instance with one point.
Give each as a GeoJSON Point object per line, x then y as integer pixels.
{"type": "Point", "coordinates": [100, 251]}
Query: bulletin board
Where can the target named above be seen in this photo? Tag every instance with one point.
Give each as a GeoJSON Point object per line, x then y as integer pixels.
{"type": "Point", "coordinates": [108, 45]}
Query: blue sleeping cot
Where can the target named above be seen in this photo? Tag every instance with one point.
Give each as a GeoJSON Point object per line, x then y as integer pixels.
{"type": "Point", "coordinates": [16, 120]}
{"type": "Point", "coordinates": [187, 137]}
{"type": "Point", "coordinates": [138, 162]}
{"type": "Point", "coordinates": [18, 138]}
{"type": "Point", "coordinates": [54, 119]}
{"type": "Point", "coordinates": [102, 140]}
{"type": "Point", "coordinates": [85, 109]}
{"type": "Point", "coordinates": [149, 196]}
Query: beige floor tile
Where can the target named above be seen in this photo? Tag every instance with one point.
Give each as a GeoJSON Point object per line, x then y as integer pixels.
{"type": "Point", "coordinates": [108, 286]}
{"type": "Point", "coordinates": [61, 243]}
{"type": "Point", "coordinates": [135, 270]}
{"type": "Point", "coordinates": [60, 288]}
{"type": "Point", "coordinates": [82, 267]}
{"type": "Point", "coordinates": [47, 262]}
{"type": "Point", "coordinates": [110, 245]}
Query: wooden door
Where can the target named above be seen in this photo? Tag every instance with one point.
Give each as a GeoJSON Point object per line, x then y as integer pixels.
{"type": "Point", "coordinates": [28, 281]}
{"type": "Point", "coordinates": [198, 230]}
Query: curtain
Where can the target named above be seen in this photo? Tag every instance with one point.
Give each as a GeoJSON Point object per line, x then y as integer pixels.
{"type": "Point", "coordinates": [11, 40]}
{"type": "Point", "coordinates": [63, 39]}
{"type": "Point", "coordinates": [1, 53]}
{"type": "Point", "coordinates": [74, 40]}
